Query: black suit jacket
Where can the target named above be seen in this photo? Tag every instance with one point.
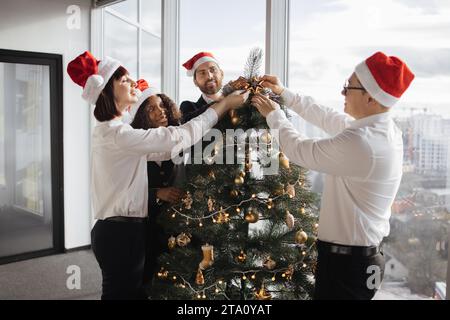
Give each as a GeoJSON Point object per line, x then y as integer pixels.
{"type": "Point", "coordinates": [166, 175]}
{"type": "Point", "coordinates": [190, 109]}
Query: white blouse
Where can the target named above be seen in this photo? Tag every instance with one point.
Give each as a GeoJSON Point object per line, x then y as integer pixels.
{"type": "Point", "coordinates": [120, 153]}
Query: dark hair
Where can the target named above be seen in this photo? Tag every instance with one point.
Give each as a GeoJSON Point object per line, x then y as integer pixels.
{"type": "Point", "coordinates": [142, 121]}
{"type": "Point", "coordinates": [105, 107]}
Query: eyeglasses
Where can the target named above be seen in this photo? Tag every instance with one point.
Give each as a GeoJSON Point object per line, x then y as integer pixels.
{"type": "Point", "coordinates": [347, 87]}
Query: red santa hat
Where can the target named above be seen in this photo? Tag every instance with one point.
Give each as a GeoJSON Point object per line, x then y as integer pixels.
{"type": "Point", "coordinates": [91, 74]}
{"type": "Point", "coordinates": [144, 91]}
{"type": "Point", "coordinates": [385, 78]}
{"type": "Point", "coordinates": [192, 64]}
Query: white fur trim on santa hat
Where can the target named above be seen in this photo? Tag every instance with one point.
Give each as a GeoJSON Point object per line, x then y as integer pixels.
{"type": "Point", "coordinates": [197, 63]}
{"type": "Point", "coordinates": [142, 97]}
{"type": "Point", "coordinates": [370, 84]}
{"type": "Point", "coordinates": [97, 82]}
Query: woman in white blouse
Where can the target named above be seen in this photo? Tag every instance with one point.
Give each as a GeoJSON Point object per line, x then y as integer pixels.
{"type": "Point", "coordinates": [119, 163]}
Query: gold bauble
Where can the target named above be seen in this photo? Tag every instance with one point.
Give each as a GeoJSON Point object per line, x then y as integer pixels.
{"type": "Point", "coordinates": [241, 257]}
{"type": "Point", "coordinates": [199, 279]}
{"type": "Point", "coordinates": [183, 239]}
{"type": "Point", "coordinates": [242, 174]}
{"type": "Point", "coordinates": [239, 180]}
{"type": "Point", "coordinates": [283, 160]}
{"type": "Point", "coordinates": [232, 113]}
{"type": "Point", "coordinates": [269, 263]}
{"type": "Point", "coordinates": [172, 242]}
{"type": "Point", "coordinates": [290, 220]}
{"type": "Point", "coordinates": [290, 190]}
{"type": "Point", "coordinates": [234, 193]}
{"type": "Point", "coordinates": [266, 137]}
{"type": "Point", "coordinates": [252, 216]}
{"type": "Point", "coordinates": [301, 237]}
{"type": "Point", "coordinates": [248, 166]}
{"type": "Point", "coordinates": [235, 121]}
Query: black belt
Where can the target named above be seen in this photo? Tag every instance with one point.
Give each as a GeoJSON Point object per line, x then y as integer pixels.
{"type": "Point", "coordinates": [127, 219]}
{"type": "Point", "coordinates": [347, 250]}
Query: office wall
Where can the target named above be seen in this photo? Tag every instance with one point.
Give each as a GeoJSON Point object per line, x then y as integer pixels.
{"type": "Point", "coordinates": [41, 26]}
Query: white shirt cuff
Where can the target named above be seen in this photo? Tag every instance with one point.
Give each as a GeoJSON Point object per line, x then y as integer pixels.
{"type": "Point", "coordinates": [275, 116]}
{"type": "Point", "coordinates": [288, 97]}
{"type": "Point", "coordinates": [211, 117]}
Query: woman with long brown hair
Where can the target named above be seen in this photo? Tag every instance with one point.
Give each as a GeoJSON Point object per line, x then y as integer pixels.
{"type": "Point", "coordinates": [119, 185]}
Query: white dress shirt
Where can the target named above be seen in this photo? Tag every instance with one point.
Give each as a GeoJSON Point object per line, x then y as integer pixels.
{"type": "Point", "coordinates": [120, 153]}
{"type": "Point", "coordinates": [362, 162]}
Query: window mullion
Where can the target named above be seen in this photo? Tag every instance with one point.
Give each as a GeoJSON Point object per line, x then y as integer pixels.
{"type": "Point", "coordinates": [139, 48]}
{"type": "Point", "coordinates": [276, 38]}
{"type": "Point", "coordinates": [170, 48]}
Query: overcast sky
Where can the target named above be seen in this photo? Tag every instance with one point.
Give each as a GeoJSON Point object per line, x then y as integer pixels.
{"type": "Point", "coordinates": [327, 39]}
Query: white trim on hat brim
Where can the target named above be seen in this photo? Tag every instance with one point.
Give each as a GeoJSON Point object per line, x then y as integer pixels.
{"type": "Point", "coordinates": [144, 95]}
{"type": "Point", "coordinates": [370, 84]}
{"type": "Point", "coordinates": [200, 61]}
{"type": "Point", "coordinates": [97, 82]}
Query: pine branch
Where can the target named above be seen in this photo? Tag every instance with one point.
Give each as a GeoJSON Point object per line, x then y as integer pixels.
{"type": "Point", "coordinates": [253, 64]}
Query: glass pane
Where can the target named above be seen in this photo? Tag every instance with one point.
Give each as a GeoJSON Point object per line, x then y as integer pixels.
{"type": "Point", "coordinates": [151, 16]}
{"type": "Point", "coordinates": [328, 39]}
{"type": "Point", "coordinates": [25, 208]}
{"type": "Point", "coordinates": [128, 8]}
{"type": "Point", "coordinates": [225, 28]}
{"type": "Point", "coordinates": [121, 42]}
{"type": "Point", "coordinates": [151, 59]}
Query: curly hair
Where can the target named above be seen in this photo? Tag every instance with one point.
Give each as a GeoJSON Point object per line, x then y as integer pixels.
{"type": "Point", "coordinates": [142, 121]}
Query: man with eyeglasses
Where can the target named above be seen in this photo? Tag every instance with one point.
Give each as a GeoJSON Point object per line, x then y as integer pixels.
{"type": "Point", "coordinates": [363, 165]}
{"type": "Point", "coordinates": [207, 76]}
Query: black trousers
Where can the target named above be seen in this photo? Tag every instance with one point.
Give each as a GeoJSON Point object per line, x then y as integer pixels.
{"type": "Point", "coordinates": [156, 244]}
{"type": "Point", "coordinates": [347, 277]}
{"type": "Point", "coordinates": [119, 248]}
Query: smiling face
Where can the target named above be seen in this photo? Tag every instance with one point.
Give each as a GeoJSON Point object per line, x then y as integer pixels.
{"type": "Point", "coordinates": [156, 112]}
{"type": "Point", "coordinates": [124, 90]}
{"type": "Point", "coordinates": [208, 78]}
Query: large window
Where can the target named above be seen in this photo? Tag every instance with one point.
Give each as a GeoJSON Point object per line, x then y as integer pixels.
{"type": "Point", "coordinates": [132, 34]}
{"type": "Point", "coordinates": [228, 29]}
{"type": "Point", "coordinates": [31, 154]}
{"type": "Point", "coordinates": [327, 40]}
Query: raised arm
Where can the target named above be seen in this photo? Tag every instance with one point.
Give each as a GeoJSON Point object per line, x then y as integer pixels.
{"type": "Point", "coordinates": [346, 154]}
{"type": "Point", "coordinates": [175, 139]}
{"type": "Point", "coordinates": [329, 120]}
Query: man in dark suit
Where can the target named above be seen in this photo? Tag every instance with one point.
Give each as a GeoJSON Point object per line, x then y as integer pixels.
{"type": "Point", "coordinates": [208, 76]}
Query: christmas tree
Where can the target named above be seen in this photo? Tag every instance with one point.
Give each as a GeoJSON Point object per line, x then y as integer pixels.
{"type": "Point", "coordinates": [246, 229]}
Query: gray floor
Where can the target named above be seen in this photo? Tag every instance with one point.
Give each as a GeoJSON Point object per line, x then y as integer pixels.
{"type": "Point", "coordinates": [46, 278]}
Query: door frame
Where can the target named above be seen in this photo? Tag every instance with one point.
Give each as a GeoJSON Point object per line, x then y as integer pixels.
{"type": "Point", "coordinates": [55, 64]}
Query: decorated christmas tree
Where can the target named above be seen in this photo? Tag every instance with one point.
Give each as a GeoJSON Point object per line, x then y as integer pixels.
{"type": "Point", "coordinates": [246, 229]}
